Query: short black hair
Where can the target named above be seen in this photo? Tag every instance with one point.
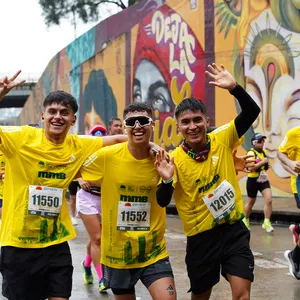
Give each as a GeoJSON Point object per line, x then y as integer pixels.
{"type": "Point", "coordinates": [113, 119]}
{"type": "Point", "coordinates": [191, 104]}
{"type": "Point", "coordinates": [139, 107]}
{"type": "Point", "coordinates": [61, 97]}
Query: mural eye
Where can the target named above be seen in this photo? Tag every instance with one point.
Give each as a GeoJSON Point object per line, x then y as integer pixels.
{"type": "Point", "coordinates": [137, 96]}
{"type": "Point", "coordinates": [159, 103]}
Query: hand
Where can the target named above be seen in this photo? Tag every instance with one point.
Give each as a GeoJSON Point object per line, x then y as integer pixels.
{"type": "Point", "coordinates": [221, 77]}
{"type": "Point", "coordinates": [295, 166]}
{"type": "Point", "coordinates": [85, 185]}
{"type": "Point", "coordinates": [164, 167]}
{"type": "Point", "coordinates": [7, 84]}
{"type": "Point", "coordinates": [155, 149]}
{"type": "Point", "coordinates": [243, 163]}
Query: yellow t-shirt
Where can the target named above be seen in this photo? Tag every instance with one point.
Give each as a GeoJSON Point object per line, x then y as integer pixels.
{"type": "Point", "coordinates": [37, 174]}
{"type": "Point", "coordinates": [194, 181]}
{"type": "Point", "coordinates": [2, 169]}
{"type": "Point", "coordinates": [256, 155]}
{"type": "Point", "coordinates": [291, 147]}
{"type": "Point", "coordinates": [128, 198]}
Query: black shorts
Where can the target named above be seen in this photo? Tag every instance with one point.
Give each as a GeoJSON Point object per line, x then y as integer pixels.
{"type": "Point", "coordinates": [1, 202]}
{"type": "Point", "coordinates": [224, 247]}
{"type": "Point", "coordinates": [73, 187]}
{"type": "Point", "coordinates": [36, 274]}
{"type": "Point", "coordinates": [253, 186]}
{"type": "Point", "coordinates": [122, 281]}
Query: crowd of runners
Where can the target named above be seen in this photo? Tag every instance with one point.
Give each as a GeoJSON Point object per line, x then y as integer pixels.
{"type": "Point", "coordinates": [119, 185]}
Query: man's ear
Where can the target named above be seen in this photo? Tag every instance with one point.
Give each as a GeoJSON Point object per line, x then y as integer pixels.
{"type": "Point", "coordinates": [74, 120]}
{"type": "Point", "coordinates": [207, 121]}
{"type": "Point", "coordinates": [42, 115]}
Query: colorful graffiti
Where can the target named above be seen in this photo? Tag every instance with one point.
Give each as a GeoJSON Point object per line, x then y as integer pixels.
{"type": "Point", "coordinates": [159, 55]}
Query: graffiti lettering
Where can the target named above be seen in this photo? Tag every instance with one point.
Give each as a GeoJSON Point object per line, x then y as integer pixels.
{"type": "Point", "coordinates": [173, 30]}
{"type": "Point", "coordinates": [169, 135]}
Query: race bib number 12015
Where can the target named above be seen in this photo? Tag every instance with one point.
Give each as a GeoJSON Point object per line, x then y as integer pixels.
{"type": "Point", "coordinates": [221, 201]}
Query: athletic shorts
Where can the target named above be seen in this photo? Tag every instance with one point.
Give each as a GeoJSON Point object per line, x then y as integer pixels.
{"type": "Point", "coordinates": [253, 186]}
{"type": "Point", "coordinates": [224, 248]}
{"type": "Point", "coordinates": [122, 281]}
{"type": "Point", "coordinates": [73, 187]}
{"type": "Point", "coordinates": [36, 273]}
{"type": "Point", "coordinates": [87, 203]}
{"type": "Point", "coordinates": [1, 203]}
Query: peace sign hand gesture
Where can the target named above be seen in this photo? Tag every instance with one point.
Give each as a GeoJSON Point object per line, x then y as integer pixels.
{"type": "Point", "coordinates": [7, 84]}
{"type": "Point", "coordinates": [221, 77]}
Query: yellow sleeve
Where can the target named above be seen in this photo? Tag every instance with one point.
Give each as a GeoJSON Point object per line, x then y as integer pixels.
{"type": "Point", "coordinates": [227, 135]}
{"type": "Point", "coordinates": [288, 145]}
{"type": "Point", "coordinates": [12, 137]}
{"type": "Point", "coordinates": [94, 167]}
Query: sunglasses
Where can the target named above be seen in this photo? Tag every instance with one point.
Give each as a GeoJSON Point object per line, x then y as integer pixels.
{"type": "Point", "coordinates": [260, 141]}
{"type": "Point", "coordinates": [142, 120]}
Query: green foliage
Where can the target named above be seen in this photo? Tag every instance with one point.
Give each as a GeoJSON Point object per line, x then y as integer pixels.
{"type": "Point", "coordinates": [86, 10]}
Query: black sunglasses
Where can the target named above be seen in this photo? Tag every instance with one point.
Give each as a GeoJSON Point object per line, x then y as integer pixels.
{"type": "Point", "coordinates": [142, 120]}
{"type": "Point", "coordinates": [261, 141]}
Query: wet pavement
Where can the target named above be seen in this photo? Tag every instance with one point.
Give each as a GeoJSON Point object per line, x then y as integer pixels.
{"type": "Point", "coordinates": [272, 280]}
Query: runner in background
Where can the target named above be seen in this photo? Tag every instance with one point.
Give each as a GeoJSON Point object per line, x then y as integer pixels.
{"type": "Point", "coordinates": [258, 181]}
{"type": "Point", "coordinates": [89, 209]}
{"type": "Point", "coordinates": [115, 126]}
{"type": "Point", "coordinates": [289, 155]}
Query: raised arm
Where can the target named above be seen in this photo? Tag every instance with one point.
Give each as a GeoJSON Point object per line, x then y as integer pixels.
{"type": "Point", "coordinates": [6, 84]}
{"type": "Point", "coordinates": [249, 109]}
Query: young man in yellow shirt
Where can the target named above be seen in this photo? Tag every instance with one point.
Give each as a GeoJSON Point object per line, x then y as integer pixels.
{"type": "Point", "coordinates": [133, 246]}
{"type": "Point", "coordinates": [289, 155]}
{"type": "Point", "coordinates": [207, 193]}
{"type": "Point", "coordinates": [40, 164]}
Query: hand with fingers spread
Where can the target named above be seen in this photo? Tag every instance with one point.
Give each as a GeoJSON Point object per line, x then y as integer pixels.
{"type": "Point", "coordinates": [220, 77]}
{"type": "Point", "coordinates": [164, 166]}
{"type": "Point", "coordinates": [243, 163]}
{"type": "Point", "coordinates": [6, 84]}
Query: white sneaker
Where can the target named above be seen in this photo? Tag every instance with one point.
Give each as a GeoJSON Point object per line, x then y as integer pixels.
{"type": "Point", "coordinates": [74, 221]}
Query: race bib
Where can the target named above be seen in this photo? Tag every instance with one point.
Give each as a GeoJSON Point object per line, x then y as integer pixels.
{"type": "Point", "coordinates": [133, 216]}
{"type": "Point", "coordinates": [263, 177]}
{"type": "Point", "coordinates": [44, 201]}
{"type": "Point", "coordinates": [221, 201]}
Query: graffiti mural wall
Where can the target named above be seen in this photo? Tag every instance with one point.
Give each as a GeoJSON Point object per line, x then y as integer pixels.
{"type": "Point", "coordinates": [159, 54]}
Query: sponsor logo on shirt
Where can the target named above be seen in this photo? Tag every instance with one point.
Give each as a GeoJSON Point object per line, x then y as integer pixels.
{"type": "Point", "coordinates": [209, 185]}
{"type": "Point", "coordinates": [51, 175]}
{"type": "Point", "coordinates": [132, 198]}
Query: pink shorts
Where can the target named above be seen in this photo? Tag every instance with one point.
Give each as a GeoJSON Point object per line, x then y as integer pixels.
{"type": "Point", "coordinates": [87, 203]}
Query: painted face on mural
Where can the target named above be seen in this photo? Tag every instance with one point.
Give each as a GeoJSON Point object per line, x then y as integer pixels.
{"type": "Point", "coordinates": [168, 66]}
{"type": "Point", "coordinates": [272, 78]}
{"type": "Point", "coordinates": [151, 87]}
